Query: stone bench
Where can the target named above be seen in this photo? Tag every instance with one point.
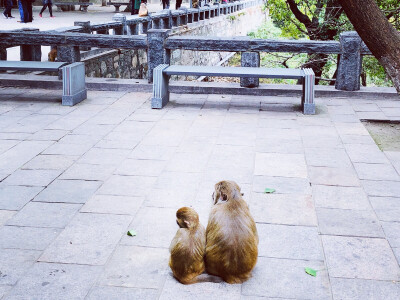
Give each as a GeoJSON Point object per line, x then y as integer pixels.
{"type": "Point", "coordinates": [117, 5]}
{"type": "Point", "coordinates": [84, 5]}
{"type": "Point", "coordinates": [161, 75]}
{"type": "Point", "coordinates": [74, 87]}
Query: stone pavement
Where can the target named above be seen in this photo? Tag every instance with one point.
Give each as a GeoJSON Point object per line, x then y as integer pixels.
{"type": "Point", "coordinates": [75, 179]}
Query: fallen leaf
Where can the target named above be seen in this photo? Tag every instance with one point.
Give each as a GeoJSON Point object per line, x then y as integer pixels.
{"type": "Point", "coordinates": [269, 191]}
{"type": "Point", "coordinates": [310, 271]}
{"type": "Point", "coordinates": [131, 233]}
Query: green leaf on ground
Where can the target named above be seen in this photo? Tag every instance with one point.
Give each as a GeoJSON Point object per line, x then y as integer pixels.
{"type": "Point", "coordinates": [310, 271]}
{"type": "Point", "coordinates": [131, 233]}
{"type": "Point", "coordinates": [269, 191]}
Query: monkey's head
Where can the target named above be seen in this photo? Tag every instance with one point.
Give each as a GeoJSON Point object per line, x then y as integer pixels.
{"type": "Point", "coordinates": [226, 190]}
{"type": "Point", "coordinates": [187, 217]}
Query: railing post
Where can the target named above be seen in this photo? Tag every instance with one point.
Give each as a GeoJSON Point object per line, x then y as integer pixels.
{"type": "Point", "coordinates": [120, 30]}
{"type": "Point", "coordinates": [250, 59]}
{"type": "Point", "coordinates": [85, 29]}
{"type": "Point", "coordinates": [68, 54]}
{"type": "Point", "coordinates": [156, 54]}
{"type": "Point", "coordinates": [349, 69]}
{"type": "Point", "coordinates": [30, 52]}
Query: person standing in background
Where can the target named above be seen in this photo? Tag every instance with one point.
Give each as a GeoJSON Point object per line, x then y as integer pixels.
{"type": "Point", "coordinates": [8, 7]}
{"type": "Point", "coordinates": [178, 4]}
{"type": "Point", "coordinates": [165, 4]}
{"type": "Point", "coordinates": [49, 4]}
{"type": "Point", "coordinates": [29, 16]}
{"type": "Point", "coordinates": [23, 10]}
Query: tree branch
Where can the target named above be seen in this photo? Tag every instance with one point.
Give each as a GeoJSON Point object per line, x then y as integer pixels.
{"type": "Point", "coordinates": [298, 14]}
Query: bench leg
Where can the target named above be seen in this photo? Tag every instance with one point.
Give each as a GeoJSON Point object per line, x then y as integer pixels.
{"type": "Point", "coordinates": [160, 87]}
{"type": "Point", "coordinates": [74, 87]}
{"type": "Point", "coordinates": [307, 101]}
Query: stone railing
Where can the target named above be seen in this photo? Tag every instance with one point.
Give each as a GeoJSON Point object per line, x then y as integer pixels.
{"type": "Point", "coordinates": [154, 34]}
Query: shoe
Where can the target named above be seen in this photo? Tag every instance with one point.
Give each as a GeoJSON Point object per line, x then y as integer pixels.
{"type": "Point", "coordinates": [40, 15]}
{"type": "Point", "coordinates": [5, 16]}
{"type": "Point", "coordinates": [52, 16]}
{"type": "Point", "coordinates": [11, 17]}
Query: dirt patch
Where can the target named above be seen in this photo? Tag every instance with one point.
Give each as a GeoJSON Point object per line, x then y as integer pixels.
{"type": "Point", "coordinates": [385, 134]}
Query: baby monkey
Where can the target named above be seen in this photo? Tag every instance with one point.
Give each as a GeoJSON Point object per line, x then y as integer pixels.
{"type": "Point", "coordinates": [188, 246]}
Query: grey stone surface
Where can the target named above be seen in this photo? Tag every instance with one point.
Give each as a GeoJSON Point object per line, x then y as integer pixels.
{"type": "Point", "coordinates": [4, 289]}
{"type": "Point", "coordinates": [250, 59]}
{"type": "Point", "coordinates": [392, 230]}
{"type": "Point", "coordinates": [56, 281]}
{"type": "Point", "coordinates": [284, 165]}
{"type": "Point", "coordinates": [320, 157]}
{"type": "Point", "coordinates": [50, 162]}
{"type": "Point", "coordinates": [71, 191]}
{"type": "Point", "coordinates": [5, 215]}
{"type": "Point", "coordinates": [15, 197]}
{"type": "Point", "coordinates": [382, 188]}
{"type": "Point", "coordinates": [386, 208]}
{"type": "Point", "coordinates": [32, 177]}
{"type": "Point", "coordinates": [366, 154]}
{"type": "Point", "coordinates": [365, 254]}
{"type": "Point", "coordinates": [127, 185]}
{"type": "Point", "coordinates": [292, 242]}
{"type": "Point", "coordinates": [88, 239]}
{"type": "Point", "coordinates": [288, 209]}
{"type": "Point", "coordinates": [29, 238]}
{"type": "Point", "coordinates": [57, 215]}
{"type": "Point", "coordinates": [349, 69]}
{"type": "Point", "coordinates": [376, 172]}
{"type": "Point", "coordinates": [121, 293]}
{"type": "Point", "coordinates": [282, 185]}
{"type": "Point", "coordinates": [340, 197]}
{"type": "Point", "coordinates": [14, 263]}
{"type": "Point", "coordinates": [141, 167]}
{"type": "Point", "coordinates": [129, 261]}
{"type": "Point", "coordinates": [88, 172]}
{"type": "Point", "coordinates": [108, 204]}
{"type": "Point", "coordinates": [101, 156]}
{"type": "Point", "coordinates": [333, 176]}
{"type": "Point", "coordinates": [68, 149]}
{"type": "Point", "coordinates": [206, 287]}
{"type": "Point", "coordinates": [267, 279]}
{"type": "Point", "coordinates": [159, 234]}
{"type": "Point", "coordinates": [348, 222]}
{"type": "Point", "coordinates": [343, 288]}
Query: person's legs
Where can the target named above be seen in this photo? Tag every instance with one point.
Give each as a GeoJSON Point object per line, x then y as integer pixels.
{"type": "Point", "coordinates": [178, 4]}
{"type": "Point", "coordinates": [50, 5]}
{"type": "Point", "coordinates": [21, 10]}
{"type": "Point", "coordinates": [29, 10]}
{"type": "Point", "coordinates": [8, 6]}
{"type": "Point", "coordinates": [42, 10]}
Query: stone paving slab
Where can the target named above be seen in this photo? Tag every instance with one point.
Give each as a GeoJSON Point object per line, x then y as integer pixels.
{"type": "Point", "coordinates": [56, 281]}
{"type": "Point", "coordinates": [88, 239]}
{"type": "Point", "coordinates": [32, 177]}
{"type": "Point", "coordinates": [124, 166]}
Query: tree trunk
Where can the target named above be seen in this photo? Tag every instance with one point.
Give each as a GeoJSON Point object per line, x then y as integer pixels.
{"type": "Point", "coordinates": [378, 34]}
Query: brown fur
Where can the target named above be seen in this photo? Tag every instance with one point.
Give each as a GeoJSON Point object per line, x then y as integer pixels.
{"type": "Point", "coordinates": [188, 246]}
{"type": "Point", "coordinates": [52, 54]}
{"type": "Point", "coordinates": [232, 239]}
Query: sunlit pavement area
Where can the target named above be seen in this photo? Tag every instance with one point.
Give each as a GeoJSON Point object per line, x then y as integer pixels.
{"type": "Point", "coordinates": [75, 179]}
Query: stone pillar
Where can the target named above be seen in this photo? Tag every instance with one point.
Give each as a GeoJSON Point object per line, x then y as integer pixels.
{"type": "Point", "coordinates": [68, 54]}
{"type": "Point", "coordinates": [218, 11]}
{"type": "Point", "coordinates": [30, 52]}
{"type": "Point", "coordinates": [250, 59]}
{"type": "Point", "coordinates": [120, 30]}
{"type": "Point", "coordinates": [156, 54]}
{"type": "Point", "coordinates": [85, 29]}
{"type": "Point", "coordinates": [349, 70]}
{"type": "Point", "coordinates": [3, 53]}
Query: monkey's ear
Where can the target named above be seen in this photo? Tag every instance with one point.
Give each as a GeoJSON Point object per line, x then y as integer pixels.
{"type": "Point", "coordinates": [242, 194]}
{"type": "Point", "coordinates": [224, 196]}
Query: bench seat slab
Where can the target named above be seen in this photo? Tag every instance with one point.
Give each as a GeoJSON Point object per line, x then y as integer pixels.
{"type": "Point", "coordinates": [6, 65]}
{"type": "Point", "coordinates": [74, 87]}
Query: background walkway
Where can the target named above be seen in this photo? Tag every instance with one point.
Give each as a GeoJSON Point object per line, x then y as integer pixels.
{"type": "Point", "coordinates": [75, 179]}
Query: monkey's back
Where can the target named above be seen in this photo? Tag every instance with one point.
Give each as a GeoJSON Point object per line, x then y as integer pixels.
{"type": "Point", "coordinates": [232, 243]}
{"type": "Point", "coordinates": [187, 254]}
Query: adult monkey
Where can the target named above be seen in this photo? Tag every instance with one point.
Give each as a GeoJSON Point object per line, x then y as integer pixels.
{"type": "Point", "coordinates": [232, 239]}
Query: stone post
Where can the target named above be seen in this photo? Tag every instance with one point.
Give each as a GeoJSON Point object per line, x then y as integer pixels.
{"type": "Point", "coordinates": [85, 29]}
{"type": "Point", "coordinates": [250, 59]}
{"type": "Point", "coordinates": [217, 13]}
{"type": "Point", "coordinates": [30, 52]}
{"type": "Point", "coordinates": [133, 28]}
{"type": "Point", "coordinates": [120, 30]}
{"type": "Point", "coordinates": [68, 54]}
{"type": "Point", "coordinates": [156, 54]}
{"type": "Point", "coordinates": [3, 53]}
{"type": "Point", "coordinates": [349, 69]}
